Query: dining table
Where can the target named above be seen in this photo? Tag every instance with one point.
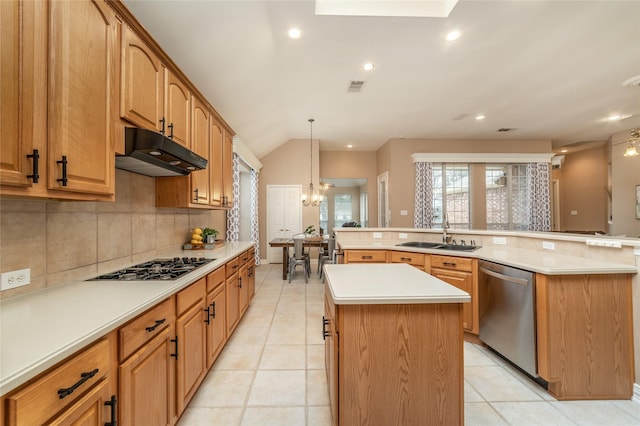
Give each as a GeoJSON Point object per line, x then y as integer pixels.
{"type": "Point", "coordinates": [285, 243]}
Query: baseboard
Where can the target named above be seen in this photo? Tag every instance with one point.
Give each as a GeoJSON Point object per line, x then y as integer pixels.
{"type": "Point", "coordinates": [636, 393]}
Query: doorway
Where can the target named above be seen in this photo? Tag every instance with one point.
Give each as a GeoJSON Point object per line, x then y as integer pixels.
{"type": "Point", "coordinates": [284, 216]}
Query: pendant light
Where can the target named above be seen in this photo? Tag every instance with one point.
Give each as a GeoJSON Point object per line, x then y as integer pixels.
{"type": "Point", "coordinates": [311, 197]}
{"type": "Point", "coordinates": [631, 150]}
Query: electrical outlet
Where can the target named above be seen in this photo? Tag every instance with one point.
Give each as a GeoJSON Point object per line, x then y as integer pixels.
{"type": "Point", "coordinates": [377, 235]}
{"type": "Point", "coordinates": [403, 212]}
{"type": "Point", "coordinates": [403, 236]}
{"type": "Point", "coordinates": [15, 279]}
{"type": "Point", "coordinates": [500, 241]}
{"type": "Point", "coordinates": [548, 245]}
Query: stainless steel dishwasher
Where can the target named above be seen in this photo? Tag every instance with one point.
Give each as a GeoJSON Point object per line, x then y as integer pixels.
{"type": "Point", "coordinates": [507, 314]}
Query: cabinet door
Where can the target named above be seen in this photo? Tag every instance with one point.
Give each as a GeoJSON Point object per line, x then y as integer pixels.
{"type": "Point", "coordinates": [243, 286]}
{"type": "Point", "coordinates": [331, 355]}
{"type": "Point", "coordinates": [200, 145]}
{"type": "Point", "coordinates": [233, 303]}
{"type": "Point", "coordinates": [147, 384]}
{"type": "Point", "coordinates": [191, 335]}
{"type": "Point", "coordinates": [178, 110]}
{"type": "Point", "coordinates": [227, 169]}
{"type": "Point", "coordinates": [463, 281]}
{"type": "Point", "coordinates": [142, 83]}
{"type": "Point", "coordinates": [215, 163]}
{"type": "Point", "coordinates": [90, 410]}
{"type": "Point", "coordinates": [82, 62]}
{"type": "Point", "coordinates": [216, 330]}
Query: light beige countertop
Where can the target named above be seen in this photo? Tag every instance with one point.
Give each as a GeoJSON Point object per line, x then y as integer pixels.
{"type": "Point", "coordinates": [388, 283]}
{"type": "Point", "coordinates": [40, 329]}
{"type": "Point", "coordinates": [545, 262]}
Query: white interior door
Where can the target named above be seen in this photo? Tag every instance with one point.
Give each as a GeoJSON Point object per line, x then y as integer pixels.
{"type": "Point", "coordinates": [284, 215]}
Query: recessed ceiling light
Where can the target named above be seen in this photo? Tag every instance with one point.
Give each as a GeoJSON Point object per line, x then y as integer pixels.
{"type": "Point", "coordinates": [614, 117]}
{"type": "Point", "coordinates": [156, 153]}
{"type": "Point", "coordinates": [563, 150]}
{"type": "Point", "coordinates": [295, 33]}
{"type": "Point", "coordinates": [480, 117]}
{"type": "Point", "coordinates": [368, 66]}
{"type": "Point", "coordinates": [349, 146]}
{"type": "Point", "coordinates": [453, 35]}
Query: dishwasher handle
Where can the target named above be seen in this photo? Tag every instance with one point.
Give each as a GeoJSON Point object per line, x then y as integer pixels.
{"type": "Point", "coordinates": [503, 277]}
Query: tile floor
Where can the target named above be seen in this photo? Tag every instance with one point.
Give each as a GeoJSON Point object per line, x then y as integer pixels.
{"type": "Point", "coordinates": [271, 372]}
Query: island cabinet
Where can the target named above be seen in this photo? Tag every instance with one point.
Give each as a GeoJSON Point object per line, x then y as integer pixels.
{"type": "Point", "coordinates": [365, 256]}
{"type": "Point", "coordinates": [393, 346]}
{"type": "Point", "coordinates": [80, 390]}
{"type": "Point", "coordinates": [462, 273]}
{"type": "Point", "coordinates": [215, 311]}
{"type": "Point", "coordinates": [191, 333]}
{"type": "Point", "coordinates": [419, 260]}
{"type": "Point", "coordinates": [147, 360]}
{"type": "Point", "coordinates": [59, 61]}
{"type": "Point", "coordinates": [585, 335]}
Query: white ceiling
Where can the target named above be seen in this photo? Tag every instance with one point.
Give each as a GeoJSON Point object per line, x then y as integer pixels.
{"type": "Point", "coordinates": [551, 70]}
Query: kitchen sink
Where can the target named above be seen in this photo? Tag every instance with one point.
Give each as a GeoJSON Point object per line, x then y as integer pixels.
{"type": "Point", "coordinates": [439, 246]}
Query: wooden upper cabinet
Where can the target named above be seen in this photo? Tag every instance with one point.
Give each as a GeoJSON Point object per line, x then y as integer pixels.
{"type": "Point", "coordinates": [215, 163]}
{"type": "Point", "coordinates": [142, 83]}
{"type": "Point", "coordinates": [227, 170]}
{"type": "Point", "coordinates": [82, 68]}
{"type": "Point", "coordinates": [177, 110]}
{"type": "Point", "coordinates": [200, 139]}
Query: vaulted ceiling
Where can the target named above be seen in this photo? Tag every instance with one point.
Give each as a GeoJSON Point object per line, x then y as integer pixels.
{"type": "Point", "coordinates": [545, 69]}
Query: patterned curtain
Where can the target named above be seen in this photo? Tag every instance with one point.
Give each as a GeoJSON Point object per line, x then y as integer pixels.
{"type": "Point", "coordinates": [539, 184]}
{"type": "Point", "coordinates": [255, 229]}
{"type": "Point", "coordinates": [423, 217]}
{"type": "Point", "coordinates": [233, 215]}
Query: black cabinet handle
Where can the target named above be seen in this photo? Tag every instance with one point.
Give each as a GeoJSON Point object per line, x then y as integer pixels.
{"type": "Point", "coordinates": [195, 197]}
{"type": "Point", "coordinates": [64, 170]}
{"type": "Point", "coordinates": [325, 333]}
{"type": "Point", "coordinates": [162, 121]}
{"type": "Point", "coordinates": [170, 126]}
{"type": "Point", "coordinates": [449, 263]}
{"type": "Point", "coordinates": [156, 325]}
{"type": "Point", "coordinates": [206, 319]}
{"type": "Point", "coordinates": [114, 414]}
{"type": "Point", "coordinates": [212, 312]}
{"type": "Point", "coordinates": [367, 257]}
{"type": "Point", "coordinates": [65, 392]}
{"type": "Point", "coordinates": [240, 282]}
{"type": "Point", "coordinates": [405, 259]}
{"type": "Point", "coordinates": [175, 355]}
{"type": "Point", "coordinates": [35, 176]}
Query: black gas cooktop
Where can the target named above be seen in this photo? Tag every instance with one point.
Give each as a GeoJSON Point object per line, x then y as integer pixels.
{"type": "Point", "coordinates": [157, 269]}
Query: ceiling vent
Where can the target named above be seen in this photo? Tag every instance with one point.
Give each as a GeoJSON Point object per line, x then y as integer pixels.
{"type": "Point", "coordinates": [355, 86]}
{"type": "Point", "coordinates": [460, 117]}
{"type": "Point", "coordinates": [506, 129]}
{"type": "Point", "coordinates": [632, 82]}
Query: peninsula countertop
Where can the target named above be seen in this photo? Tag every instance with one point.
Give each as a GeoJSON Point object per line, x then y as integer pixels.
{"type": "Point", "coordinates": [390, 283]}
{"type": "Point", "coordinates": [40, 329]}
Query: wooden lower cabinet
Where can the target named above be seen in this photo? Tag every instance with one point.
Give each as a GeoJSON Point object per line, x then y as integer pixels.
{"type": "Point", "coordinates": [365, 256]}
{"type": "Point", "coordinates": [216, 309]}
{"type": "Point", "coordinates": [233, 295]}
{"type": "Point", "coordinates": [461, 273]}
{"type": "Point", "coordinates": [396, 364]}
{"type": "Point", "coordinates": [585, 335]}
{"type": "Point", "coordinates": [191, 336]}
{"type": "Point", "coordinates": [73, 392]}
{"type": "Point", "coordinates": [419, 260]}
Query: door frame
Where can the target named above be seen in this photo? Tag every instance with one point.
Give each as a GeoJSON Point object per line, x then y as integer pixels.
{"type": "Point", "coordinates": [384, 215]}
{"type": "Point", "coordinates": [270, 235]}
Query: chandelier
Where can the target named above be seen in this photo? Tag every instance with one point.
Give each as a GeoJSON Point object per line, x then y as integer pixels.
{"type": "Point", "coordinates": [311, 197]}
{"type": "Point", "coordinates": [634, 137]}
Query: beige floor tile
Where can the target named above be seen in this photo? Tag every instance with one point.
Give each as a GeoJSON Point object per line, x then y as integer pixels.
{"type": "Point", "coordinates": [495, 384]}
{"type": "Point", "coordinates": [283, 335]}
{"type": "Point", "coordinates": [531, 413]}
{"type": "Point", "coordinates": [470, 394]}
{"type": "Point", "coordinates": [283, 357]}
{"type": "Point", "coordinates": [317, 387]}
{"type": "Point", "coordinates": [319, 416]}
{"type": "Point", "coordinates": [278, 388]}
{"type": "Point", "coordinates": [596, 413]}
{"type": "Point", "coordinates": [246, 334]}
{"type": "Point", "coordinates": [223, 388]}
{"type": "Point", "coordinates": [208, 416]}
{"type": "Point", "coordinates": [273, 416]}
{"type": "Point", "coordinates": [239, 357]}
{"type": "Point", "coordinates": [475, 357]}
{"type": "Point", "coordinates": [481, 414]}
{"type": "Point", "coordinates": [315, 356]}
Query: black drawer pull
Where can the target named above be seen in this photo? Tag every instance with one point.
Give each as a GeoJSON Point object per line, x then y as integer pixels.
{"type": "Point", "coordinates": [240, 282]}
{"type": "Point", "coordinates": [35, 176]}
{"type": "Point", "coordinates": [65, 392]}
{"type": "Point", "coordinates": [367, 257]}
{"type": "Point", "coordinates": [64, 170]}
{"type": "Point", "coordinates": [212, 312]}
{"type": "Point", "coordinates": [405, 259]}
{"type": "Point", "coordinates": [449, 263]}
{"type": "Point", "coordinates": [156, 325]}
{"type": "Point", "coordinates": [112, 403]}
{"type": "Point", "coordinates": [208, 316]}
{"type": "Point", "coordinates": [325, 333]}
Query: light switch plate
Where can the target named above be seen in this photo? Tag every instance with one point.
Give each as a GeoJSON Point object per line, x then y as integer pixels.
{"type": "Point", "coordinates": [377, 235]}
{"type": "Point", "coordinates": [403, 213]}
{"type": "Point", "coordinates": [403, 236]}
{"type": "Point", "coordinates": [548, 245]}
{"type": "Point", "coordinates": [499, 241]}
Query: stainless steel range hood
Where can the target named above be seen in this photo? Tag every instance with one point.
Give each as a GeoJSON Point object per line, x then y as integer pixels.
{"type": "Point", "coordinates": [153, 154]}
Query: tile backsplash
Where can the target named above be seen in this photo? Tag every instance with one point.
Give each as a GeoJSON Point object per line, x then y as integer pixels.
{"type": "Point", "coordinates": [71, 240]}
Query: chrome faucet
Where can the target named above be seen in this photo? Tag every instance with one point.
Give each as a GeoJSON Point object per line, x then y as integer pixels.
{"type": "Point", "coordinates": [445, 225]}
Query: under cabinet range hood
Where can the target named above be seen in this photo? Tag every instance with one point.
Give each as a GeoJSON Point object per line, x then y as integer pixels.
{"type": "Point", "coordinates": [153, 154]}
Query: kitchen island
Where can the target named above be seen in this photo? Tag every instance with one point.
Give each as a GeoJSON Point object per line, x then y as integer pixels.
{"type": "Point", "coordinates": [393, 346]}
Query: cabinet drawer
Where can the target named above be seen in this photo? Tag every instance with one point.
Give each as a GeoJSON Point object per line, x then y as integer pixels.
{"type": "Point", "coordinates": [39, 401]}
{"type": "Point", "coordinates": [416, 259]}
{"type": "Point", "coordinates": [451, 262]}
{"type": "Point", "coordinates": [191, 295]}
{"type": "Point", "coordinates": [232, 266]}
{"type": "Point", "coordinates": [244, 258]}
{"type": "Point", "coordinates": [144, 328]}
{"type": "Point", "coordinates": [215, 279]}
{"type": "Point", "coordinates": [377, 256]}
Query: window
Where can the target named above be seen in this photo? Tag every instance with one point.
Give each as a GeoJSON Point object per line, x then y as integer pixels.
{"type": "Point", "coordinates": [324, 214]}
{"type": "Point", "coordinates": [506, 192]}
{"type": "Point", "coordinates": [451, 195]}
{"type": "Point", "coordinates": [342, 209]}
